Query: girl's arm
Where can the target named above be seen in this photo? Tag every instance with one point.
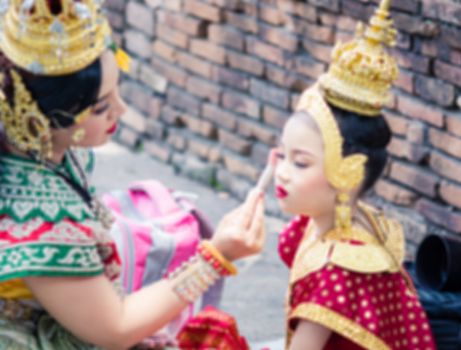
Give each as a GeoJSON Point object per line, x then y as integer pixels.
{"type": "Point", "coordinates": [309, 336]}
{"type": "Point", "coordinates": [92, 310]}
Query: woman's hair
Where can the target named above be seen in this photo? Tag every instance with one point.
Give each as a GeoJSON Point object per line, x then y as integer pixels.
{"type": "Point", "coordinates": [60, 98]}
{"type": "Point", "coordinates": [366, 135]}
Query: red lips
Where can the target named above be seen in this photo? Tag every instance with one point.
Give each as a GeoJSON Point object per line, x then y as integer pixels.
{"type": "Point", "coordinates": [112, 129]}
{"type": "Point", "coordinates": [280, 192]}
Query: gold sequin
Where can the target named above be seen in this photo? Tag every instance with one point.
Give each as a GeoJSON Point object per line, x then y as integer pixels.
{"type": "Point", "coordinates": [338, 288]}
{"type": "Point", "coordinates": [368, 314]}
{"type": "Point", "coordinates": [324, 293]}
{"type": "Point", "coordinates": [334, 277]}
{"type": "Point", "coordinates": [286, 249]}
{"type": "Point", "coordinates": [364, 303]}
{"type": "Point", "coordinates": [341, 299]}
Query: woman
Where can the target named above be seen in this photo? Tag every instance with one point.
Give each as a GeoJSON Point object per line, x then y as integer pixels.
{"type": "Point", "coordinates": [59, 267]}
{"type": "Point", "coordinates": [348, 289]}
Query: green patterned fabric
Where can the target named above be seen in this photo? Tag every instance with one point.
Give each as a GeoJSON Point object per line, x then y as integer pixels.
{"type": "Point", "coordinates": [28, 190]}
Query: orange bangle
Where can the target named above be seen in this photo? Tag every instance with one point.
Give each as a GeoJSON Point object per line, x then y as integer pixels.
{"type": "Point", "coordinates": [226, 264]}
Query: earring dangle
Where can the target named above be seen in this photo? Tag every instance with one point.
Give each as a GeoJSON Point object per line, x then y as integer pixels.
{"type": "Point", "coordinates": [78, 135]}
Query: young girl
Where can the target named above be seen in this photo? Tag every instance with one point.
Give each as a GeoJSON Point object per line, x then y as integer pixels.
{"type": "Point", "coordinates": [347, 287]}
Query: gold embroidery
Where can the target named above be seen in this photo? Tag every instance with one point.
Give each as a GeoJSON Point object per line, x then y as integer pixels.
{"type": "Point", "coordinates": [339, 324]}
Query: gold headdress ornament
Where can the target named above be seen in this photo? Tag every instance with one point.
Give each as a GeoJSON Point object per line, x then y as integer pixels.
{"type": "Point", "coordinates": [358, 80]}
{"type": "Point", "coordinates": [53, 37]}
{"type": "Point", "coordinates": [50, 38]}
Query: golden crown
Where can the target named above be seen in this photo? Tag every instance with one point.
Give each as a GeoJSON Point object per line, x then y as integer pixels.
{"type": "Point", "coordinates": [362, 72]}
{"type": "Point", "coordinates": [53, 37]}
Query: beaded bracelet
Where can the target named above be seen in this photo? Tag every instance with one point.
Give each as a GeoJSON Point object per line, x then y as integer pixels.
{"type": "Point", "coordinates": [216, 259]}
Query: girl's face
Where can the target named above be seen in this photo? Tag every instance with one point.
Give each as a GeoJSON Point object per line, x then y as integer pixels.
{"type": "Point", "coordinates": [301, 185]}
{"type": "Point", "coordinates": [100, 121]}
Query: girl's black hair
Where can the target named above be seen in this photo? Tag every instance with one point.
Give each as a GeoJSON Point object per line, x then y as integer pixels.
{"type": "Point", "coordinates": [62, 98]}
{"type": "Point", "coordinates": [367, 135]}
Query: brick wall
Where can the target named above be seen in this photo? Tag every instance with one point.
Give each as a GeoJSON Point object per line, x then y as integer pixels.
{"type": "Point", "coordinates": [216, 80]}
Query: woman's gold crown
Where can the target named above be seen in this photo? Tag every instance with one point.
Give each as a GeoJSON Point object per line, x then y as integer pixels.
{"type": "Point", "coordinates": [53, 37]}
{"type": "Point", "coordinates": [362, 71]}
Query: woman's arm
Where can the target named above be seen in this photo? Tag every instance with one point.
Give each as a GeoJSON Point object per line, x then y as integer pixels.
{"type": "Point", "coordinates": [93, 311]}
{"type": "Point", "coordinates": [309, 336]}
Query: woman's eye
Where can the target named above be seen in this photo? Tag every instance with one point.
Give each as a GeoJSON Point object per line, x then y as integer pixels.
{"type": "Point", "coordinates": [280, 155]}
{"type": "Point", "coordinates": [100, 109]}
{"type": "Point", "coordinates": [301, 165]}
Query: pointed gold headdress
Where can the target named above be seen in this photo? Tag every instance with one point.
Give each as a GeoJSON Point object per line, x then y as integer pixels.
{"type": "Point", "coordinates": [358, 80]}
{"type": "Point", "coordinates": [53, 37]}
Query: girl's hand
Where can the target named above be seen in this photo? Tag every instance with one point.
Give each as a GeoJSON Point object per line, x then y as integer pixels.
{"type": "Point", "coordinates": [241, 232]}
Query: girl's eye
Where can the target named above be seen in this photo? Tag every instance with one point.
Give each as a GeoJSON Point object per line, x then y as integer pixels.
{"type": "Point", "coordinates": [301, 165]}
{"type": "Point", "coordinates": [280, 155]}
{"type": "Point", "coordinates": [100, 109]}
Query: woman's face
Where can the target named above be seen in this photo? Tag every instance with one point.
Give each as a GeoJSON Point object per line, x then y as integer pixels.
{"type": "Point", "coordinates": [301, 185]}
{"type": "Point", "coordinates": [100, 121]}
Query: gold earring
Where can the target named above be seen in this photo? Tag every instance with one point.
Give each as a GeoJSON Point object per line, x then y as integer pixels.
{"type": "Point", "coordinates": [78, 135]}
{"type": "Point", "coordinates": [343, 211]}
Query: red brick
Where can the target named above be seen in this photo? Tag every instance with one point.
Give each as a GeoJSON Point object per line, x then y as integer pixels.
{"type": "Point", "coordinates": [203, 10]}
{"type": "Point", "coordinates": [183, 101]}
{"type": "Point", "coordinates": [346, 23]}
{"type": "Point", "coordinates": [219, 116]}
{"type": "Point", "coordinates": [208, 50]}
{"type": "Point", "coordinates": [140, 17]}
{"type": "Point", "coordinates": [226, 36]}
{"type": "Point", "coordinates": [204, 149]}
{"type": "Point", "coordinates": [357, 10]}
{"type": "Point", "coordinates": [265, 51]}
{"type": "Point", "coordinates": [172, 73]}
{"type": "Point", "coordinates": [158, 151]}
{"type": "Point", "coordinates": [451, 37]}
{"type": "Point", "coordinates": [230, 78]}
{"type": "Point", "coordinates": [415, 25]}
{"type": "Point", "coordinates": [116, 20]}
{"type": "Point", "coordinates": [397, 123]}
{"type": "Point", "coordinates": [275, 117]}
{"type": "Point", "coordinates": [171, 116]}
{"type": "Point", "coordinates": [440, 215]}
{"type": "Point", "coordinates": [172, 36]}
{"type": "Point", "coordinates": [446, 166]}
{"type": "Point", "coordinates": [240, 166]}
{"type": "Point", "coordinates": [155, 106]}
{"type": "Point", "coordinates": [405, 81]}
{"type": "Point", "coordinates": [245, 63]}
{"type": "Point", "coordinates": [330, 5]}
{"type": "Point", "coordinates": [306, 11]}
{"type": "Point", "coordinates": [234, 142]}
{"type": "Point", "coordinates": [406, 150]}
{"type": "Point", "coordinates": [186, 24]}
{"type": "Point", "coordinates": [435, 90]}
{"type": "Point", "coordinates": [261, 132]}
{"type": "Point", "coordinates": [177, 139]}
{"type": "Point", "coordinates": [153, 79]}
{"type": "Point", "coordinates": [455, 57]}
{"type": "Point", "coordinates": [164, 50]}
{"type": "Point", "coordinates": [454, 123]}
{"type": "Point", "coordinates": [317, 32]}
{"type": "Point", "coordinates": [138, 96]}
{"type": "Point", "coordinates": [195, 64]}
{"type": "Point", "coordinates": [199, 126]}
{"type": "Point", "coordinates": [259, 153]}
{"type": "Point", "coordinates": [412, 61]}
{"type": "Point", "coordinates": [241, 103]}
{"type": "Point", "coordinates": [250, 8]}
{"type": "Point", "coordinates": [451, 193]}
{"type": "Point", "coordinates": [269, 93]}
{"type": "Point", "coordinates": [286, 78]}
{"type": "Point", "coordinates": [228, 4]}
{"type": "Point", "coordinates": [446, 143]}
{"type": "Point", "coordinates": [415, 177]}
{"type": "Point", "coordinates": [204, 88]}
{"type": "Point", "coordinates": [417, 109]}
{"type": "Point", "coordinates": [138, 43]}
{"type": "Point", "coordinates": [448, 11]}
{"type": "Point", "coordinates": [448, 72]}
{"type": "Point", "coordinates": [271, 15]}
{"type": "Point", "coordinates": [155, 129]}
{"type": "Point", "coordinates": [417, 132]}
{"type": "Point", "coordinates": [318, 51]}
{"type": "Point", "coordinates": [116, 5]}
{"type": "Point", "coordinates": [309, 67]}
{"type": "Point", "coordinates": [394, 193]}
{"type": "Point", "coordinates": [279, 37]}
{"type": "Point", "coordinates": [243, 22]}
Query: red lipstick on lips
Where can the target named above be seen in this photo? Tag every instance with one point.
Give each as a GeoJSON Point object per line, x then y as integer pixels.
{"type": "Point", "coordinates": [280, 192]}
{"type": "Point", "coordinates": [112, 129]}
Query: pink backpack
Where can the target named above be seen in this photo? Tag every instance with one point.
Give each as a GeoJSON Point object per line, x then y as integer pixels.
{"type": "Point", "coordinates": [156, 230]}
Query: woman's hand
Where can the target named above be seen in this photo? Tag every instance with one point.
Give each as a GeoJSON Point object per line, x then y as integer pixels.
{"type": "Point", "coordinates": [241, 232]}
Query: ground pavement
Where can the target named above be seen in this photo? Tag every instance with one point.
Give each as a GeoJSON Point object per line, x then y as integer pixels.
{"type": "Point", "coordinates": [255, 297]}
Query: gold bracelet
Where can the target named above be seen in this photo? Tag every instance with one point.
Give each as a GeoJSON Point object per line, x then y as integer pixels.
{"type": "Point", "coordinates": [216, 259]}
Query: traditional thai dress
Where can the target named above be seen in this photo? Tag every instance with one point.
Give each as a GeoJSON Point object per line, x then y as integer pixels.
{"type": "Point", "coordinates": [46, 229]}
{"type": "Point", "coordinates": [354, 286]}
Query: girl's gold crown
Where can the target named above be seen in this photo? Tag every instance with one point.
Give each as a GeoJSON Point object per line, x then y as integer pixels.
{"type": "Point", "coordinates": [53, 37]}
{"type": "Point", "coordinates": [362, 71]}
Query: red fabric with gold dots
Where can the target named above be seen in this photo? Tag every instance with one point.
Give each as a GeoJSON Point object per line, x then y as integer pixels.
{"type": "Point", "coordinates": [376, 306]}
